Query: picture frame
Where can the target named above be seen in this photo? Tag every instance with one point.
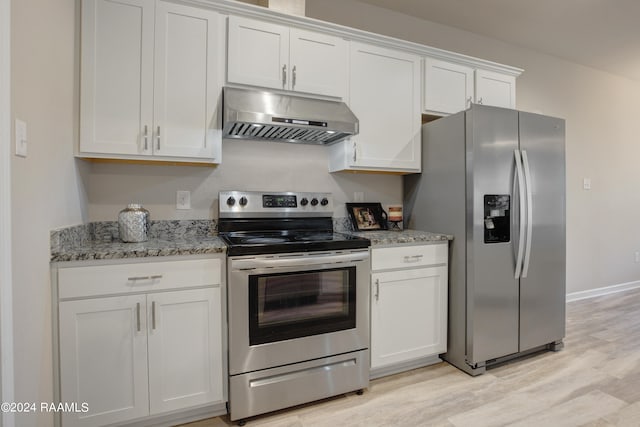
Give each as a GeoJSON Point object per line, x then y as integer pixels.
{"type": "Point", "coordinates": [367, 216]}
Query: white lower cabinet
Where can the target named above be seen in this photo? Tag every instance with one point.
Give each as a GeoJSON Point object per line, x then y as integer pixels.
{"type": "Point", "coordinates": [184, 349]}
{"type": "Point", "coordinates": [408, 304]}
{"type": "Point", "coordinates": [103, 359]}
{"type": "Point", "coordinates": [142, 353]}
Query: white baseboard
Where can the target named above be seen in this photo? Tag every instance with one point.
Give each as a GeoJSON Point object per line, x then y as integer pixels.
{"type": "Point", "coordinates": [606, 290]}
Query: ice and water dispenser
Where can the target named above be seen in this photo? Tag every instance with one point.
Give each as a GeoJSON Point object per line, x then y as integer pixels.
{"type": "Point", "coordinates": [497, 223]}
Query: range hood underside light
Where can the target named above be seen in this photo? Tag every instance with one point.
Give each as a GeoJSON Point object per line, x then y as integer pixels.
{"type": "Point", "coordinates": [284, 133]}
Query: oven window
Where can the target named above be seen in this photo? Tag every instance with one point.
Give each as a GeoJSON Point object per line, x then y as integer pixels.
{"type": "Point", "coordinates": [299, 304]}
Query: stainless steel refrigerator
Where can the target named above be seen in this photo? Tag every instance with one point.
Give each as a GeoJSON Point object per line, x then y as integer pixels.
{"type": "Point", "coordinates": [494, 178]}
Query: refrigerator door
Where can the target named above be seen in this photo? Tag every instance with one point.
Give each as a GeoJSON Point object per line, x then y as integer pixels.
{"type": "Point", "coordinates": [492, 289]}
{"type": "Point", "coordinates": [542, 291]}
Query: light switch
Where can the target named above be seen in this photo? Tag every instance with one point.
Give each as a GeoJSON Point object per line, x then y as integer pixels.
{"type": "Point", "coordinates": [183, 199]}
{"type": "Point", "coordinates": [21, 138]}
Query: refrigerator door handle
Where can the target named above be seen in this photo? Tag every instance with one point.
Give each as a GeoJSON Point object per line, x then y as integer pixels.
{"type": "Point", "coordinates": [527, 177]}
{"type": "Point", "coordinates": [522, 220]}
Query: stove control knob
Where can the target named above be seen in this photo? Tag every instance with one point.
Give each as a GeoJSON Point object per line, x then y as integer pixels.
{"type": "Point", "coordinates": [304, 202]}
{"type": "Point", "coordinates": [243, 201]}
{"type": "Point", "coordinates": [324, 201]}
{"type": "Point", "coordinates": [314, 201]}
{"type": "Point", "coordinates": [231, 201]}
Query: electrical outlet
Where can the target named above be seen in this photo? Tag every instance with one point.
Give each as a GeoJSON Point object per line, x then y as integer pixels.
{"type": "Point", "coordinates": [358, 196]}
{"type": "Point", "coordinates": [183, 199]}
{"type": "Point", "coordinates": [586, 183]}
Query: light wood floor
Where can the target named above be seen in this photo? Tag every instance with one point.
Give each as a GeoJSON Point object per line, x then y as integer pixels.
{"type": "Point", "coordinates": [593, 382]}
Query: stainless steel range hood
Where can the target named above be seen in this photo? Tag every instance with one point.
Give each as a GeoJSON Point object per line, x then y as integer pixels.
{"type": "Point", "coordinates": [254, 114]}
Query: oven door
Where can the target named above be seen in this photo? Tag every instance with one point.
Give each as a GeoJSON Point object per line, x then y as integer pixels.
{"type": "Point", "coordinates": [291, 308]}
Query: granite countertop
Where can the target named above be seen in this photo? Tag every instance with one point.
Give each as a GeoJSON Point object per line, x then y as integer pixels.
{"type": "Point", "coordinates": [99, 240]}
{"type": "Point", "coordinates": [404, 237]}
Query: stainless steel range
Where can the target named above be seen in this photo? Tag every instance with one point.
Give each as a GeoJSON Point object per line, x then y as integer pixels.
{"type": "Point", "coordinates": [298, 301]}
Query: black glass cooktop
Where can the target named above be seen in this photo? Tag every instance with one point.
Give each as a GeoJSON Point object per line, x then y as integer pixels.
{"type": "Point", "coordinates": [270, 242]}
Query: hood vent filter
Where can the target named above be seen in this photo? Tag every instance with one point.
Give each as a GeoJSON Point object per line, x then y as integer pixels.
{"type": "Point", "coordinates": [252, 114]}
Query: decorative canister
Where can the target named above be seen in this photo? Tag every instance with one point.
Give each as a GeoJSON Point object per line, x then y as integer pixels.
{"type": "Point", "coordinates": [133, 223]}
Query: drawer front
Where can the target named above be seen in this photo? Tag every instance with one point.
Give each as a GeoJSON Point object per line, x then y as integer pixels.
{"type": "Point", "coordinates": [97, 280]}
{"type": "Point", "coordinates": [409, 256]}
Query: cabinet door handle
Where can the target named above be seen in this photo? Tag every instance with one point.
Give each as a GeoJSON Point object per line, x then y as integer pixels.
{"type": "Point", "coordinates": [153, 315]}
{"type": "Point", "coordinates": [138, 316]}
{"type": "Point", "coordinates": [146, 137]}
{"type": "Point", "coordinates": [412, 258]}
{"type": "Point", "coordinates": [377, 289]}
{"type": "Point", "coordinates": [355, 151]}
{"type": "Point", "coordinates": [152, 277]}
{"type": "Point", "coordinates": [293, 77]}
{"type": "Point", "coordinates": [284, 75]}
{"type": "Point", "coordinates": [158, 137]}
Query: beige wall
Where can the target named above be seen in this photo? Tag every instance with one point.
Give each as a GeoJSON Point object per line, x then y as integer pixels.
{"type": "Point", "coordinates": [246, 165]}
{"type": "Point", "coordinates": [47, 192]}
{"type": "Point", "coordinates": [602, 113]}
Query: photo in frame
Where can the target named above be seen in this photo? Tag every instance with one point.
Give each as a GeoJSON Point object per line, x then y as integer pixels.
{"type": "Point", "coordinates": [367, 216]}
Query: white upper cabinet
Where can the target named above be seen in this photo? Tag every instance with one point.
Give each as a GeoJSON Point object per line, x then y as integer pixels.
{"type": "Point", "coordinates": [384, 94]}
{"type": "Point", "coordinates": [451, 87]}
{"type": "Point", "coordinates": [189, 70]}
{"type": "Point", "coordinates": [116, 91]}
{"type": "Point", "coordinates": [152, 75]}
{"type": "Point", "coordinates": [258, 53]}
{"type": "Point", "coordinates": [495, 89]}
{"type": "Point", "coordinates": [278, 57]}
{"type": "Point", "coordinates": [318, 63]}
{"type": "Point", "coordinates": [448, 87]}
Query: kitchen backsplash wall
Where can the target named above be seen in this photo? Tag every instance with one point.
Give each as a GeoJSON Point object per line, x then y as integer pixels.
{"type": "Point", "coordinates": [246, 165]}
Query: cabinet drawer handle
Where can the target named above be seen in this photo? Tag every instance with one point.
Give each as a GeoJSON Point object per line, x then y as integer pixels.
{"type": "Point", "coordinates": [153, 277]}
{"type": "Point", "coordinates": [412, 258]}
{"type": "Point", "coordinates": [377, 289]}
{"type": "Point", "coordinates": [138, 316]}
{"type": "Point", "coordinates": [153, 315]}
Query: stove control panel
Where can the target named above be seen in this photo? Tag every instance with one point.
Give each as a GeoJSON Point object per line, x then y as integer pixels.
{"type": "Point", "coordinates": [257, 204]}
{"type": "Point", "coordinates": [279, 201]}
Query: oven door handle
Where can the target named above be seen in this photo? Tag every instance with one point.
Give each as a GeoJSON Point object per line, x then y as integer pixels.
{"type": "Point", "coordinates": [248, 264]}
